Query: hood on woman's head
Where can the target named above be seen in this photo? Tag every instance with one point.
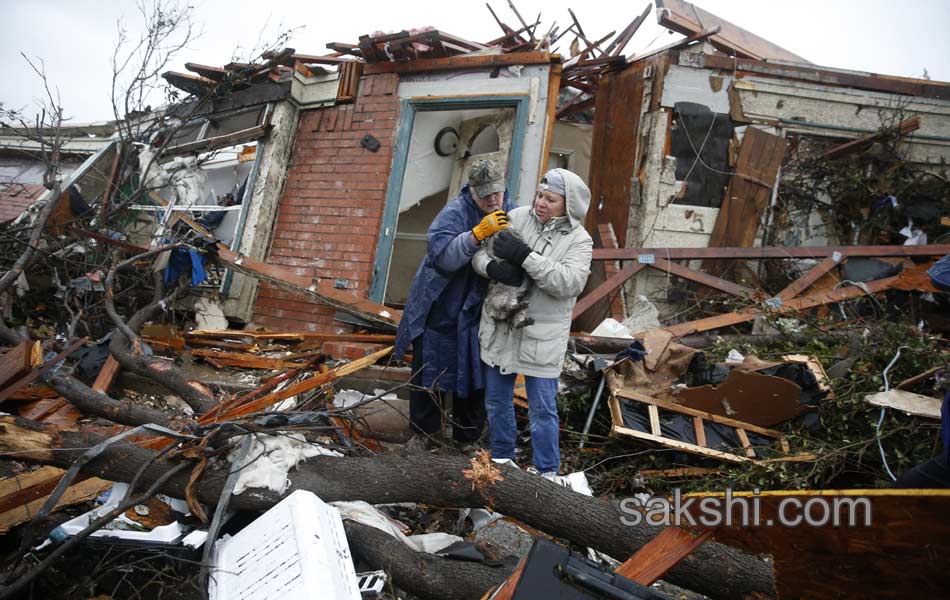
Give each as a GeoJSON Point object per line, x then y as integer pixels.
{"type": "Point", "coordinates": [572, 187]}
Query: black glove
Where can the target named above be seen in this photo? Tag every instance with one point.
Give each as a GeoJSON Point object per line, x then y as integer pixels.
{"type": "Point", "coordinates": [504, 272]}
{"type": "Point", "coordinates": [511, 248]}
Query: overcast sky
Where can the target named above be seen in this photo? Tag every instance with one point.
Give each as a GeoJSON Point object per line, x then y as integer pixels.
{"type": "Point", "coordinates": [76, 38]}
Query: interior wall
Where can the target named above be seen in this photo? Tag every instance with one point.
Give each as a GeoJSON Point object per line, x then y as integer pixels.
{"type": "Point", "coordinates": [426, 171]}
{"type": "Point", "coordinates": [531, 80]}
{"type": "Point", "coordinates": [575, 138]}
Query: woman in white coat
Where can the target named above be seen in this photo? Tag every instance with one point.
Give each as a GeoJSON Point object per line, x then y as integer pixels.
{"type": "Point", "coordinates": [554, 253]}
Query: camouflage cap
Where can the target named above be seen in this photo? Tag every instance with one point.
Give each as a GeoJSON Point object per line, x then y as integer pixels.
{"type": "Point", "coordinates": [486, 177]}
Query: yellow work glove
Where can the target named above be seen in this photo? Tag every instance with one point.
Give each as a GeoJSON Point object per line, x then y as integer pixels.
{"type": "Point", "coordinates": [491, 224]}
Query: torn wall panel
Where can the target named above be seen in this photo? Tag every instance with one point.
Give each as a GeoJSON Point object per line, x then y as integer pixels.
{"type": "Point", "coordinates": [844, 113]}
{"type": "Point", "coordinates": [701, 86]}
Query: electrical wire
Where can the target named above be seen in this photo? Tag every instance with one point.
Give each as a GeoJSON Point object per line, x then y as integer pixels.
{"type": "Point", "coordinates": [887, 388]}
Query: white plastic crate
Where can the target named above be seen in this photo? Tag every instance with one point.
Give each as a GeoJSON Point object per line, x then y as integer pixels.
{"type": "Point", "coordinates": [296, 550]}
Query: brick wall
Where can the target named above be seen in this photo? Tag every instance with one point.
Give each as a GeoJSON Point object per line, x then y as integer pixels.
{"type": "Point", "coordinates": [332, 203]}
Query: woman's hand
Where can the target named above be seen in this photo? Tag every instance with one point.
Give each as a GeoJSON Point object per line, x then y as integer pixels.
{"type": "Point", "coordinates": [511, 248]}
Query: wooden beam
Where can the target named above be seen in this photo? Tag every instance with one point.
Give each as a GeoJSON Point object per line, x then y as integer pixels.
{"type": "Point", "coordinates": [461, 62]}
{"type": "Point", "coordinates": [795, 304]}
{"type": "Point", "coordinates": [585, 303]}
{"type": "Point", "coordinates": [106, 375]}
{"type": "Point", "coordinates": [771, 252]}
{"type": "Point", "coordinates": [903, 128]}
{"type": "Point", "coordinates": [813, 275]}
{"type": "Point", "coordinates": [685, 446]}
{"type": "Point", "coordinates": [700, 430]}
{"type": "Point", "coordinates": [679, 270]}
{"type": "Point", "coordinates": [659, 555]}
{"type": "Point", "coordinates": [654, 413]}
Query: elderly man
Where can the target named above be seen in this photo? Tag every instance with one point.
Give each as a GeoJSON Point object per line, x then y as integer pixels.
{"type": "Point", "coordinates": [443, 308]}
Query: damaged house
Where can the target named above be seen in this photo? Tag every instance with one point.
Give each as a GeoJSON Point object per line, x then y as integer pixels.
{"type": "Point", "coordinates": [344, 161]}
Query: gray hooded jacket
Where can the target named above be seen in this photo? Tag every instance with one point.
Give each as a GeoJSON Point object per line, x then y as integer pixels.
{"type": "Point", "coordinates": [557, 267]}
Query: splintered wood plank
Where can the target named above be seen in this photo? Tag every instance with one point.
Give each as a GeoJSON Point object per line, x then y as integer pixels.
{"type": "Point", "coordinates": [35, 373]}
{"type": "Point", "coordinates": [22, 496]}
{"type": "Point", "coordinates": [802, 283]}
{"type": "Point", "coordinates": [16, 361]}
{"type": "Point", "coordinates": [659, 555]}
{"type": "Point", "coordinates": [298, 388]}
{"type": "Point", "coordinates": [250, 361]}
{"type": "Point", "coordinates": [748, 194]}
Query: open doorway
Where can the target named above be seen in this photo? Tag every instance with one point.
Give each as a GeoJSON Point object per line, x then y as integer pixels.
{"type": "Point", "coordinates": [443, 146]}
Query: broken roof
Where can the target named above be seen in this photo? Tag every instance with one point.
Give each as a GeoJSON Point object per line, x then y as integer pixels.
{"type": "Point", "coordinates": [17, 197]}
{"type": "Point", "coordinates": [689, 19]}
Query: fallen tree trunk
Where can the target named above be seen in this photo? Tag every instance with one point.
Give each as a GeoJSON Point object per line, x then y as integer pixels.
{"type": "Point", "coordinates": [98, 404]}
{"type": "Point", "coordinates": [421, 574]}
{"type": "Point", "coordinates": [127, 347]}
{"type": "Point", "coordinates": [715, 570]}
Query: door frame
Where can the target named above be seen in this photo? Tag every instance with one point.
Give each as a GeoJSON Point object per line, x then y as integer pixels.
{"type": "Point", "coordinates": [407, 115]}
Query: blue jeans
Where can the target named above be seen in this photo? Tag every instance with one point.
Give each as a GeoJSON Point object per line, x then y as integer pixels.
{"type": "Point", "coordinates": [542, 412]}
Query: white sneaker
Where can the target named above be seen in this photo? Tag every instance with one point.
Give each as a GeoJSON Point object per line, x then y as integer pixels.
{"type": "Point", "coordinates": [505, 461]}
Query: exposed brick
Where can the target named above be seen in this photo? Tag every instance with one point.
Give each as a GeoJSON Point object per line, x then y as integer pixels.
{"type": "Point", "coordinates": [332, 204]}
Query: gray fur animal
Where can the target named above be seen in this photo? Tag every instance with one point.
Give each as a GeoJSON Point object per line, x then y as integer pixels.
{"type": "Point", "coordinates": [506, 302]}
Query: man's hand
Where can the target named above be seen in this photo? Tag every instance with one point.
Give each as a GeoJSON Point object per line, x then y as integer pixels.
{"type": "Point", "coordinates": [505, 272]}
{"type": "Point", "coordinates": [511, 248]}
{"type": "Point", "coordinates": [491, 224]}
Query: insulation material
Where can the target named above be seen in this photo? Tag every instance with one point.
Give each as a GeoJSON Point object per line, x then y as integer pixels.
{"type": "Point", "coordinates": [367, 514]}
{"type": "Point", "coordinates": [271, 457]}
{"type": "Point", "coordinates": [208, 314]}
